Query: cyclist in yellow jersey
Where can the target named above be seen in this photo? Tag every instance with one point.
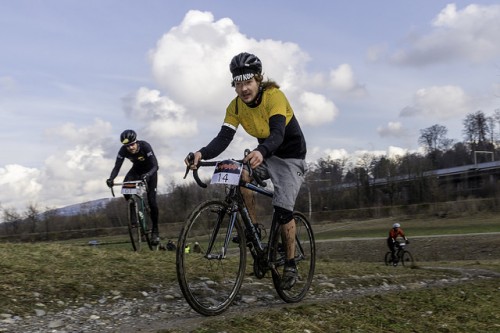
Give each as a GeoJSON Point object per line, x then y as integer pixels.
{"type": "Point", "coordinates": [262, 109]}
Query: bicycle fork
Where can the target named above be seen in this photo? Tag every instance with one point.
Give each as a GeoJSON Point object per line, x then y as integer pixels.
{"type": "Point", "coordinates": [220, 218]}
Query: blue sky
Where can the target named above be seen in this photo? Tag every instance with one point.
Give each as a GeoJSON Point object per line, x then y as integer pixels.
{"type": "Point", "coordinates": [362, 76]}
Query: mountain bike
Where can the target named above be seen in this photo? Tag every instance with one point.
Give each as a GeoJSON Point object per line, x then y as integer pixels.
{"type": "Point", "coordinates": [139, 225]}
{"type": "Point", "coordinates": [210, 278]}
{"type": "Point", "coordinates": [402, 256]}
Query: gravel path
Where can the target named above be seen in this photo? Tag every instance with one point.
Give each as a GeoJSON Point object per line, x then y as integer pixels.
{"type": "Point", "coordinates": [166, 308]}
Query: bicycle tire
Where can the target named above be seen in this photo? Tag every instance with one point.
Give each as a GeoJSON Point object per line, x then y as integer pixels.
{"type": "Point", "coordinates": [134, 229]}
{"type": "Point", "coordinates": [407, 258]}
{"type": "Point", "coordinates": [143, 221]}
{"type": "Point", "coordinates": [388, 258]}
{"type": "Point", "coordinates": [305, 258]}
{"type": "Point", "coordinates": [210, 285]}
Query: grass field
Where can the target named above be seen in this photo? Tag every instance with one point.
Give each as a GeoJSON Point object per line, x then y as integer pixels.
{"type": "Point", "coordinates": [66, 273]}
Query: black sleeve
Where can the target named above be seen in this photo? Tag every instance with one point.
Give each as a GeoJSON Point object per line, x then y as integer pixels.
{"type": "Point", "coordinates": [219, 143]}
{"type": "Point", "coordinates": [152, 161]}
{"type": "Point", "coordinates": [269, 145]}
{"type": "Point", "coordinates": [118, 165]}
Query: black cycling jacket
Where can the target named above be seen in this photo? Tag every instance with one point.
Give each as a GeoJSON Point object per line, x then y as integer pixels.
{"type": "Point", "coordinates": [144, 162]}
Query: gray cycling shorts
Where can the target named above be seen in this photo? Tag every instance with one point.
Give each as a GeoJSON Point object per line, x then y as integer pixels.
{"type": "Point", "coordinates": [287, 176]}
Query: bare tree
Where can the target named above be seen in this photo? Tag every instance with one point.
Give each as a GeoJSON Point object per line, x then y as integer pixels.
{"type": "Point", "coordinates": [476, 131]}
{"type": "Point", "coordinates": [32, 215]}
{"type": "Point", "coordinates": [491, 127]}
{"type": "Point", "coordinates": [434, 141]}
{"type": "Point", "coordinates": [11, 216]}
{"type": "Point", "coordinates": [496, 117]}
{"type": "Point", "coordinates": [434, 138]}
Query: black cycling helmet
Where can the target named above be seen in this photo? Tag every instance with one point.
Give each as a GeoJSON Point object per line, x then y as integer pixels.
{"type": "Point", "coordinates": [244, 66]}
{"type": "Point", "coordinates": [128, 136]}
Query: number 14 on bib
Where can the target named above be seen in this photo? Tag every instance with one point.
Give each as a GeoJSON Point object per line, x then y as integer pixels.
{"type": "Point", "coordinates": [227, 172]}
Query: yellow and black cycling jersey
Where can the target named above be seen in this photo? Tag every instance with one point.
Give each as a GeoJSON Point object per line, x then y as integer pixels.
{"type": "Point", "coordinates": [272, 122]}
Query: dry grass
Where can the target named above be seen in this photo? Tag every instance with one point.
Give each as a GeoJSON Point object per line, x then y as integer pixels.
{"type": "Point", "coordinates": [61, 274]}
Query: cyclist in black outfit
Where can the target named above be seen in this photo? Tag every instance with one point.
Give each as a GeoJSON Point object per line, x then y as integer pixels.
{"type": "Point", "coordinates": [144, 167]}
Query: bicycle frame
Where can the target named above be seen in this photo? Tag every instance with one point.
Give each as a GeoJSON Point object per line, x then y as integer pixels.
{"type": "Point", "coordinates": [237, 205]}
{"type": "Point", "coordinates": [136, 190]}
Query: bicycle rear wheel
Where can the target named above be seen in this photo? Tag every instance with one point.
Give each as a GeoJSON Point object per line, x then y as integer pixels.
{"type": "Point", "coordinates": [305, 258]}
{"type": "Point", "coordinates": [407, 258]}
{"type": "Point", "coordinates": [388, 259]}
{"type": "Point", "coordinates": [134, 229]}
{"type": "Point", "coordinates": [210, 279]}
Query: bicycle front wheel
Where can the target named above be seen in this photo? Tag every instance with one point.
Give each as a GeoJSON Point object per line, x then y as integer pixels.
{"type": "Point", "coordinates": [211, 276]}
{"type": "Point", "coordinates": [407, 258]}
{"type": "Point", "coordinates": [134, 228]}
{"type": "Point", "coordinates": [305, 258]}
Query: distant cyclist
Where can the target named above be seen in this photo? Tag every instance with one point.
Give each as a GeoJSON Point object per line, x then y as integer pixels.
{"type": "Point", "coordinates": [144, 167]}
{"type": "Point", "coordinates": [264, 112]}
{"type": "Point", "coordinates": [392, 241]}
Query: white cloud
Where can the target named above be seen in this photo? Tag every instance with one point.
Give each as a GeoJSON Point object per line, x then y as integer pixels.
{"type": "Point", "coordinates": [342, 79]}
{"type": "Point", "coordinates": [336, 154]}
{"type": "Point", "coordinates": [468, 34]}
{"type": "Point", "coordinates": [191, 62]}
{"type": "Point", "coordinates": [438, 102]}
{"type": "Point", "coordinates": [315, 109]}
{"type": "Point", "coordinates": [394, 152]}
{"type": "Point", "coordinates": [392, 129]}
{"type": "Point", "coordinates": [74, 172]}
{"type": "Point", "coordinates": [163, 117]}
{"type": "Point", "coordinates": [359, 156]}
{"type": "Point", "coordinates": [191, 66]}
{"type": "Point", "coordinates": [18, 182]}
{"type": "Point", "coordinates": [70, 134]}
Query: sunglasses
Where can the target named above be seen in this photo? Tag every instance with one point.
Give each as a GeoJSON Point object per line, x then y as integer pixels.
{"type": "Point", "coordinates": [130, 144]}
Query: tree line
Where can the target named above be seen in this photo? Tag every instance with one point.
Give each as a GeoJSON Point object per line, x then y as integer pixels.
{"type": "Point", "coordinates": [331, 185]}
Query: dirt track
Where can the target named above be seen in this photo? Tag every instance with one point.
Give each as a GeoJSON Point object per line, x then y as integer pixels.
{"type": "Point", "coordinates": [155, 313]}
{"type": "Point", "coordinates": [432, 248]}
{"type": "Point", "coordinates": [439, 248]}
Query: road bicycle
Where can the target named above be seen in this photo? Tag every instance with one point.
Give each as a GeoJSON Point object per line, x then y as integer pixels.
{"type": "Point", "coordinates": [139, 225]}
{"type": "Point", "coordinates": [210, 278]}
{"type": "Point", "coordinates": [402, 256]}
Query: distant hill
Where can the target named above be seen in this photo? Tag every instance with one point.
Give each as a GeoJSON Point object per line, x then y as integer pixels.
{"type": "Point", "coordinates": [82, 208]}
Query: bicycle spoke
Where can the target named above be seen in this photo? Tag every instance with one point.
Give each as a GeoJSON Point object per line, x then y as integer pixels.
{"type": "Point", "coordinates": [407, 258]}
{"type": "Point", "coordinates": [305, 258]}
{"type": "Point", "coordinates": [133, 226]}
{"type": "Point", "coordinates": [210, 280]}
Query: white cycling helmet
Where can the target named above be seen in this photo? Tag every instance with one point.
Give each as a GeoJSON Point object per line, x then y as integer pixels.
{"type": "Point", "coordinates": [396, 225]}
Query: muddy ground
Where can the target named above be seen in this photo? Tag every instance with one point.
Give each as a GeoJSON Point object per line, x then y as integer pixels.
{"type": "Point", "coordinates": [439, 248]}
{"type": "Point", "coordinates": [428, 248]}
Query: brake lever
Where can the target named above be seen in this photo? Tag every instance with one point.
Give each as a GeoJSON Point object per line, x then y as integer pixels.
{"type": "Point", "coordinates": [251, 173]}
{"type": "Point", "coordinates": [190, 159]}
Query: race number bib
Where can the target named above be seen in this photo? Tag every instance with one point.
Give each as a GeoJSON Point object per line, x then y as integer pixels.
{"type": "Point", "coordinates": [227, 172]}
{"type": "Point", "coordinates": [132, 188]}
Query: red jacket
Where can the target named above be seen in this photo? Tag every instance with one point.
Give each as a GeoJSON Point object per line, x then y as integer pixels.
{"type": "Point", "coordinates": [394, 233]}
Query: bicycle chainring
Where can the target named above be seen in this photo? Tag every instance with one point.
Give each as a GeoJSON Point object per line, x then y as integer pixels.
{"type": "Point", "coordinates": [259, 270]}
